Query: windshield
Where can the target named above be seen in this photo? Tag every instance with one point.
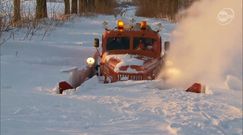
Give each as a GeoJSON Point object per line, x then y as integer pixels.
{"type": "Point", "coordinates": [118, 43]}
{"type": "Point", "coordinates": [142, 43]}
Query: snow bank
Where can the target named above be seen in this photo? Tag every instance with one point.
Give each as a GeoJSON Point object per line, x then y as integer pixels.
{"type": "Point", "coordinates": [233, 82]}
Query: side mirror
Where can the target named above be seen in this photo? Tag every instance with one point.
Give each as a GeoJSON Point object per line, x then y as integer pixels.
{"type": "Point", "coordinates": [167, 45]}
{"type": "Point", "coordinates": [96, 42]}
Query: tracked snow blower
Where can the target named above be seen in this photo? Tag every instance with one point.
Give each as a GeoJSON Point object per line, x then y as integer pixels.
{"type": "Point", "coordinates": [128, 52]}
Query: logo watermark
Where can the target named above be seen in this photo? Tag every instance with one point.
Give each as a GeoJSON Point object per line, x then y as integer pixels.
{"type": "Point", "coordinates": [225, 16]}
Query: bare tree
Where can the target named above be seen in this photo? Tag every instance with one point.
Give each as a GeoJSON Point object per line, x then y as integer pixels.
{"type": "Point", "coordinates": [74, 6]}
{"type": "Point", "coordinates": [82, 6]}
{"type": "Point", "coordinates": [16, 16]}
{"type": "Point", "coordinates": [41, 9]}
{"type": "Point", "coordinates": [1, 27]}
{"type": "Point", "coordinates": [161, 8]}
{"type": "Point", "coordinates": [90, 7]}
{"type": "Point", "coordinates": [67, 7]}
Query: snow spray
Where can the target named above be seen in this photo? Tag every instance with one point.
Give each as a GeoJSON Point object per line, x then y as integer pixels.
{"type": "Point", "coordinates": [206, 45]}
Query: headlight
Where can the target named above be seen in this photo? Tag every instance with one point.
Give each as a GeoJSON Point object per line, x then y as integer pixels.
{"type": "Point", "coordinates": [90, 61]}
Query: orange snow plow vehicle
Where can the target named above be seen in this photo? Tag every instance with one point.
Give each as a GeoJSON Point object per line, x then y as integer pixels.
{"type": "Point", "coordinates": [128, 52]}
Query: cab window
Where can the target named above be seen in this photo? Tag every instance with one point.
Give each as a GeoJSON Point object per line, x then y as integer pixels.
{"type": "Point", "coordinates": [142, 43]}
{"type": "Point", "coordinates": [118, 43]}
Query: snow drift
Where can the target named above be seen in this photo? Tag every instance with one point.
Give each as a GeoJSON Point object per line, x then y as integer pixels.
{"type": "Point", "coordinates": [207, 44]}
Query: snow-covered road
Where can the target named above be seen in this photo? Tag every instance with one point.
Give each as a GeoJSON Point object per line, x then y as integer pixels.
{"type": "Point", "coordinates": [30, 69]}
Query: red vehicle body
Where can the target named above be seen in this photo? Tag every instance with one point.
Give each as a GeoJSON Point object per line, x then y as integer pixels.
{"type": "Point", "coordinates": [142, 44]}
{"type": "Point", "coordinates": [128, 53]}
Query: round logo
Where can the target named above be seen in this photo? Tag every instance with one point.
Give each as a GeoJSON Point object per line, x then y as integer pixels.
{"type": "Point", "coordinates": [225, 16]}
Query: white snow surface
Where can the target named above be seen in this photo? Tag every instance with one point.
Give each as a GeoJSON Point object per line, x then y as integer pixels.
{"type": "Point", "coordinates": [30, 69]}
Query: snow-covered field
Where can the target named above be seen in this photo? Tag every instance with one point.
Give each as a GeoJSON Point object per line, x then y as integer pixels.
{"type": "Point", "coordinates": [30, 69]}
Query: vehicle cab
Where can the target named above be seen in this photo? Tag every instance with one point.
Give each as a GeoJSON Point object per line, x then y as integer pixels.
{"type": "Point", "coordinates": [131, 52]}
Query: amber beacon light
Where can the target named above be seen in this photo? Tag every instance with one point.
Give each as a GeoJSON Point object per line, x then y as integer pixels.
{"type": "Point", "coordinates": [143, 25]}
{"type": "Point", "coordinates": [120, 25]}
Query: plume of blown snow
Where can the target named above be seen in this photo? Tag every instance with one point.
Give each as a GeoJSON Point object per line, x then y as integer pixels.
{"type": "Point", "coordinates": [206, 45]}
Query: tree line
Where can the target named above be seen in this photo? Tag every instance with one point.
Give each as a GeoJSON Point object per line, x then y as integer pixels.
{"type": "Point", "coordinates": [147, 8]}
{"type": "Point", "coordinates": [80, 7]}
{"type": "Point", "coordinates": [161, 8]}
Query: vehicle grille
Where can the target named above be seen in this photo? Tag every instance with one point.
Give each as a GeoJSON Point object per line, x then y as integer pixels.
{"type": "Point", "coordinates": [130, 77]}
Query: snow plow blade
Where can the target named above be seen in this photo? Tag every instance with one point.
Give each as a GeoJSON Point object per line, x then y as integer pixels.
{"type": "Point", "coordinates": [63, 86]}
{"type": "Point", "coordinates": [76, 78]}
{"type": "Point", "coordinates": [196, 88]}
